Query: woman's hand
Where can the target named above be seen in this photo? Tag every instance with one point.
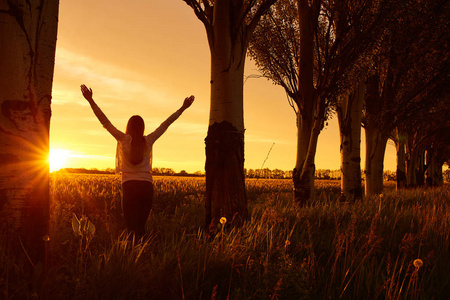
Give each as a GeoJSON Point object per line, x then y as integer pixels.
{"type": "Point", "coordinates": [187, 102]}
{"type": "Point", "coordinates": [87, 93]}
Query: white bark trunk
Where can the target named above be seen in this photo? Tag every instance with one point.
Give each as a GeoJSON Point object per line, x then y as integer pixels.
{"type": "Point", "coordinates": [225, 179]}
{"type": "Point", "coordinates": [375, 149]}
{"type": "Point", "coordinates": [349, 117]}
{"type": "Point", "coordinates": [303, 137]}
{"type": "Point", "coordinates": [227, 101]}
{"type": "Point", "coordinates": [303, 174]}
{"type": "Point", "coordinates": [27, 52]}
{"type": "Point", "coordinates": [227, 68]}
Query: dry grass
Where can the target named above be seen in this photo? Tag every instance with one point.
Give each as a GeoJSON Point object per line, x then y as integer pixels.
{"type": "Point", "coordinates": [327, 250]}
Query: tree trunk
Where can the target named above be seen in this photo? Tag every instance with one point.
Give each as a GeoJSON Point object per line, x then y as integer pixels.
{"type": "Point", "coordinates": [305, 175]}
{"type": "Point", "coordinates": [420, 176]}
{"type": "Point", "coordinates": [401, 160]}
{"type": "Point", "coordinates": [349, 116]}
{"type": "Point", "coordinates": [434, 170]}
{"type": "Point", "coordinates": [375, 148]}
{"type": "Point", "coordinates": [306, 182]}
{"type": "Point", "coordinates": [302, 184]}
{"type": "Point", "coordinates": [27, 53]}
{"type": "Point", "coordinates": [225, 180]}
{"type": "Point", "coordinates": [411, 167]}
{"type": "Point", "coordinates": [309, 116]}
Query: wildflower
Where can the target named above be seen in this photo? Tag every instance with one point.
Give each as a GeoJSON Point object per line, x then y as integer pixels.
{"type": "Point", "coordinates": [418, 263]}
{"type": "Point", "coordinates": [223, 220]}
{"type": "Point", "coordinates": [46, 238]}
{"type": "Point", "coordinates": [287, 243]}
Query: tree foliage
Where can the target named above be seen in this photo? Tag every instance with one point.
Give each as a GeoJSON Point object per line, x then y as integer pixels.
{"type": "Point", "coordinates": [345, 39]}
{"type": "Point", "coordinates": [410, 76]}
{"type": "Point", "coordinates": [413, 66]}
{"type": "Point", "coordinates": [316, 50]}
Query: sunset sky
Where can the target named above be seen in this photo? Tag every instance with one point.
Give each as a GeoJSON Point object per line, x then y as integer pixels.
{"type": "Point", "coordinates": [144, 57]}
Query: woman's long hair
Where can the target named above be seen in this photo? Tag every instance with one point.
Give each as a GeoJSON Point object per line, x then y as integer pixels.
{"type": "Point", "coordinates": [135, 128]}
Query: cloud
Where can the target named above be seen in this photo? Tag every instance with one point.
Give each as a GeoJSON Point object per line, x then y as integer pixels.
{"type": "Point", "coordinates": [111, 81]}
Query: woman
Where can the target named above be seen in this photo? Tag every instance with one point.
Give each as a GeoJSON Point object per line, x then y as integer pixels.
{"type": "Point", "coordinates": [134, 160]}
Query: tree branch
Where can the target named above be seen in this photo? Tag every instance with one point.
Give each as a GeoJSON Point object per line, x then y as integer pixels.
{"type": "Point", "coordinates": [203, 14]}
{"type": "Point", "coordinates": [263, 8]}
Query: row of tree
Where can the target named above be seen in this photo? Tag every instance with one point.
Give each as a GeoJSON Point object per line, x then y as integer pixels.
{"type": "Point", "coordinates": [280, 174]}
{"type": "Point", "coordinates": [426, 178]}
{"type": "Point", "coordinates": [383, 64]}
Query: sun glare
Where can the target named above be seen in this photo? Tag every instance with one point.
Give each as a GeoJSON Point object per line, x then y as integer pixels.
{"type": "Point", "coordinates": [57, 159]}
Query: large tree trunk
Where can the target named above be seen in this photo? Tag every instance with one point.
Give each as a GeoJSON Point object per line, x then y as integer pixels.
{"type": "Point", "coordinates": [310, 119]}
{"type": "Point", "coordinates": [349, 116]}
{"type": "Point", "coordinates": [375, 148]}
{"type": "Point", "coordinates": [27, 53]}
{"type": "Point", "coordinates": [228, 24]}
{"type": "Point", "coordinates": [225, 180]}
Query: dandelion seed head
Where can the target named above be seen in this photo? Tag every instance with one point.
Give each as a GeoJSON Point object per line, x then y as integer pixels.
{"type": "Point", "coordinates": [223, 220]}
{"type": "Point", "coordinates": [418, 263]}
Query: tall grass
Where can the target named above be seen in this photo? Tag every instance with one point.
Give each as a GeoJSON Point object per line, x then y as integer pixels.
{"type": "Point", "coordinates": [327, 250]}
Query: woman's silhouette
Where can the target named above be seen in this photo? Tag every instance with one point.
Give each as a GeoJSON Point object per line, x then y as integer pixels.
{"type": "Point", "coordinates": [134, 160]}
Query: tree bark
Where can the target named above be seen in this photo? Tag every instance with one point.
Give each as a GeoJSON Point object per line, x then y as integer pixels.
{"type": "Point", "coordinates": [349, 117]}
{"type": "Point", "coordinates": [375, 148]}
{"type": "Point", "coordinates": [27, 53]}
{"type": "Point", "coordinates": [225, 179]}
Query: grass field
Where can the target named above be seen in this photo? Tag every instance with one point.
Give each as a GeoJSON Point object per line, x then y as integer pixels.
{"type": "Point", "coordinates": [392, 246]}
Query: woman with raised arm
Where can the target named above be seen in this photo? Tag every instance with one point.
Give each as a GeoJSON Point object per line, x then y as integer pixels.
{"type": "Point", "coordinates": [134, 160]}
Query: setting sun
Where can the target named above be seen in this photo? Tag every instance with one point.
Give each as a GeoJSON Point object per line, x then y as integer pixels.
{"type": "Point", "coordinates": [57, 158]}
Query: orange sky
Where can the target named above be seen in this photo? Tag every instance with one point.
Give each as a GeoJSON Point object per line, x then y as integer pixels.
{"type": "Point", "coordinates": [144, 57]}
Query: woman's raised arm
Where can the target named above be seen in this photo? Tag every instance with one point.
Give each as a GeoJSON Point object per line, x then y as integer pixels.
{"type": "Point", "coordinates": [87, 93]}
{"type": "Point", "coordinates": [164, 125]}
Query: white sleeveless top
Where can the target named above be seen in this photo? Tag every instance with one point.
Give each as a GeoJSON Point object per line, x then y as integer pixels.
{"type": "Point", "coordinates": [143, 170]}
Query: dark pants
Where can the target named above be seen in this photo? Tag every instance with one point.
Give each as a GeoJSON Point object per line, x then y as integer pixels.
{"type": "Point", "coordinates": [137, 199]}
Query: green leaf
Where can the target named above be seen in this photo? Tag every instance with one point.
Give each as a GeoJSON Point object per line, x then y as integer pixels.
{"type": "Point", "coordinates": [91, 228]}
{"type": "Point", "coordinates": [75, 224]}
